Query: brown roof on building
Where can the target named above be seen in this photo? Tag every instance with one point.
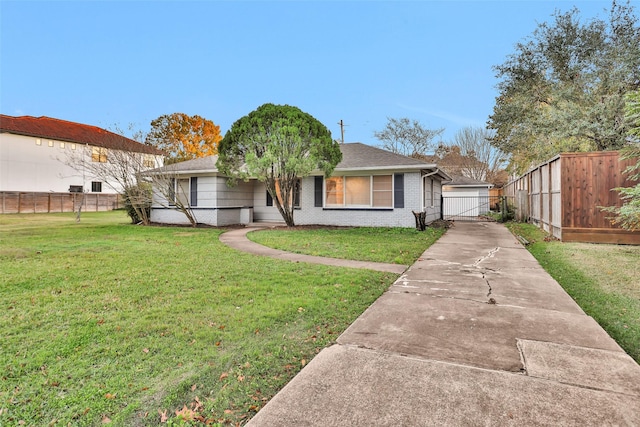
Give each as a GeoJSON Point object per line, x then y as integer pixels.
{"type": "Point", "coordinates": [62, 130]}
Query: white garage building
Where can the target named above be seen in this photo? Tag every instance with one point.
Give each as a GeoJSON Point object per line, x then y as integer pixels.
{"type": "Point", "coordinates": [465, 198]}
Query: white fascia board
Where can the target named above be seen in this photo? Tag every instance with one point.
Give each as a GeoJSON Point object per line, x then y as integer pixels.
{"type": "Point", "coordinates": [468, 185]}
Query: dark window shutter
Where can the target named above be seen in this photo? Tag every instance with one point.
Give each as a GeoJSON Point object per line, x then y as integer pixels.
{"type": "Point", "coordinates": [318, 192]}
{"type": "Point", "coordinates": [398, 190]}
{"type": "Point", "coordinates": [172, 192]}
{"type": "Point", "coordinates": [269, 199]}
{"type": "Point", "coordinates": [194, 191]}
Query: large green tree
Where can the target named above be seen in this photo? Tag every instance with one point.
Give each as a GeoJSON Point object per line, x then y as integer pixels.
{"type": "Point", "coordinates": [277, 144]}
{"type": "Point", "coordinates": [563, 89]}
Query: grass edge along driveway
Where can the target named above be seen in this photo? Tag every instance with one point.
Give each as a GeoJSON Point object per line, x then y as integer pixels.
{"type": "Point", "coordinates": [108, 323]}
{"type": "Point", "coordinates": [603, 279]}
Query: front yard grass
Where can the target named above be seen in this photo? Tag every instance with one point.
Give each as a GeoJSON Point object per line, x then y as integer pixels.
{"type": "Point", "coordinates": [603, 279]}
{"type": "Point", "coordinates": [106, 322]}
{"type": "Point", "coordinates": [392, 245]}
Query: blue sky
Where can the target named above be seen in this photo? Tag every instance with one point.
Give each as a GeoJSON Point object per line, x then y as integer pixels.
{"type": "Point", "coordinates": [109, 63]}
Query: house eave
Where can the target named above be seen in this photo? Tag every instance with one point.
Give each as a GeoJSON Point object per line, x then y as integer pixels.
{"type": "Point", "coordinates": [467, 186]}
{"type": "Point", "coordinates": [398, 168]}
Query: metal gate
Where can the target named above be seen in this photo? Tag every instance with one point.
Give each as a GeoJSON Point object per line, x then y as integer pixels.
{"type": "Point", "coordinates": [476, 208]}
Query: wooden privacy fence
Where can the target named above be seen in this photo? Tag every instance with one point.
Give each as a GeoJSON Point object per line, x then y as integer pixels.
{"type": "Point", "coordinates": [564, 195]}
{"type": "Point", "coordinates": [32, 202]}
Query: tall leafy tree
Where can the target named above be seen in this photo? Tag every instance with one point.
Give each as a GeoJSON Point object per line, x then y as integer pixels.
{"type": "Point", "coordinates": [184, 137]}
{"type": "Point", "coordinates": [563, 89]}
{"type": "Point", "coordinates": [407, 137]}
{"type": "Point", "coordinates": [278, 144]}
{"type": "Point", "coordinates": [628, 215]}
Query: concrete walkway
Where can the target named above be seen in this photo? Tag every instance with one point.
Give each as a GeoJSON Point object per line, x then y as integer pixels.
{"type": "Point", "coordinates": [474, 333]}
{"type": "Point", "coordinates": [237, 239]}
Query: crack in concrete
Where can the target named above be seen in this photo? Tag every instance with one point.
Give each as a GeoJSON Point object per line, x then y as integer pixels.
{"type": "Point", "coordinates": [491, 253]}
{"type": "Point", "coordinates": [476, 264]}
{"type": "Point", "coordinates": [488, 284]}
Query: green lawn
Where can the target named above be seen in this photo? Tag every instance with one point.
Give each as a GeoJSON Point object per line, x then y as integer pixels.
{"type": "Point", "coordinates": [103, 321]}
{"type": "Point", "coordinates": [392, 245]}
{"type": "Point", "coordinates": [603, 279]}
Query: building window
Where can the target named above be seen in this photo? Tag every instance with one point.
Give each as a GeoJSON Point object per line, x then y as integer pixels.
{"type": "Point", "coordinates": [96, 187]}
{"type": "Point", "coordinates": [99, 154]}
{"type": "Point", "coordinates": [75, 189]}
{"type": "Point", "coordinates": [148, 161]}
{"type": "Point", "coordinates": [73, 146]}
{"type": "Point", "coordinates": [182, 191]}
{"type": "Point", "coordinates": [296, 194]}
{"type": "Point", "coordinates": [62, 145]}
{"type": "Point", "coordinates": [50, 143]}
{"type": "Point", "coordinates": [432, 193]}
{"type": "Point", "coordinates": [38, 141]}
{"type": "Point", "coordinates": [382, 190]}
{"type": "Point", "coordinates": [359, 191]}
{"type": "Point", "coordinates": [335, 191]}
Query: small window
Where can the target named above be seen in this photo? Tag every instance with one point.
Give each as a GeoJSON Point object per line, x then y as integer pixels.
{"type": "Point", "coordinates": [50, 143]}
{"type": "Point", "coordinates": [99, 154]}
{"type": "Point", "coordinates": [62, 145]}
{"type": "Point", "coordinates": [38, 141]}
{"type": "Point", "coordinates": [297, 185]}
{"type": "Point", "coordinates": [382, 191]}
{"type": "Point", "coordinates": [182, 191]}
{"type": "Point", "coordinates": [96, 187]}
{"type": "Point", "coordinates": [73, 146]}
{"type": "Point", "coordinates": [75, 189]}
{"type": "Point", "coordinates": [335, 191]}
{"type": "Point", "coordinates": [148, 161]}
{"type": "Point", "coordinates": [432, 194]}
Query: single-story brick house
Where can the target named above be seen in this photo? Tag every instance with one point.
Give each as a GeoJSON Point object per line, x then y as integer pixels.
{"type": "Point", "coordinates": [369, 187]}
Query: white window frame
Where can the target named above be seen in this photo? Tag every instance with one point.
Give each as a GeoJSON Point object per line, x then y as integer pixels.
{"type": "Point", "coordinates": [345, 195]}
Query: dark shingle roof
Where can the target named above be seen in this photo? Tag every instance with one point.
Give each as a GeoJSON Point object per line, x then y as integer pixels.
{"type": "Point", "coordinates": [463, 181]}
{"type": "Point", "coordinates": [356, 155]}
{"type": "Point", "coordinates": [62, 130]}
{"type": "Point", "coordinates": [201, 164]}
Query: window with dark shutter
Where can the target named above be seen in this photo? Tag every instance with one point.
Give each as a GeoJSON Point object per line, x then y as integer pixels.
{"type": "Point", "coordinates": [269, 199]}
{"type": "Point", "coordinates": [398, 190]}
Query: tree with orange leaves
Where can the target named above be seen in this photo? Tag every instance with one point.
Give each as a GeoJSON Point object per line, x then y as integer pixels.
{"type": "Point", "coordinates": [184, 137]}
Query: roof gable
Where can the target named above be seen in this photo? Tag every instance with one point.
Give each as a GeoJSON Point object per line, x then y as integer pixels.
{"type": "Point", "coordinates": [62, 130]}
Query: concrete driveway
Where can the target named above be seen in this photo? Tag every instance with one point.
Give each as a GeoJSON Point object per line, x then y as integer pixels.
{"type": "Point", "coordinates": [474, 333]}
